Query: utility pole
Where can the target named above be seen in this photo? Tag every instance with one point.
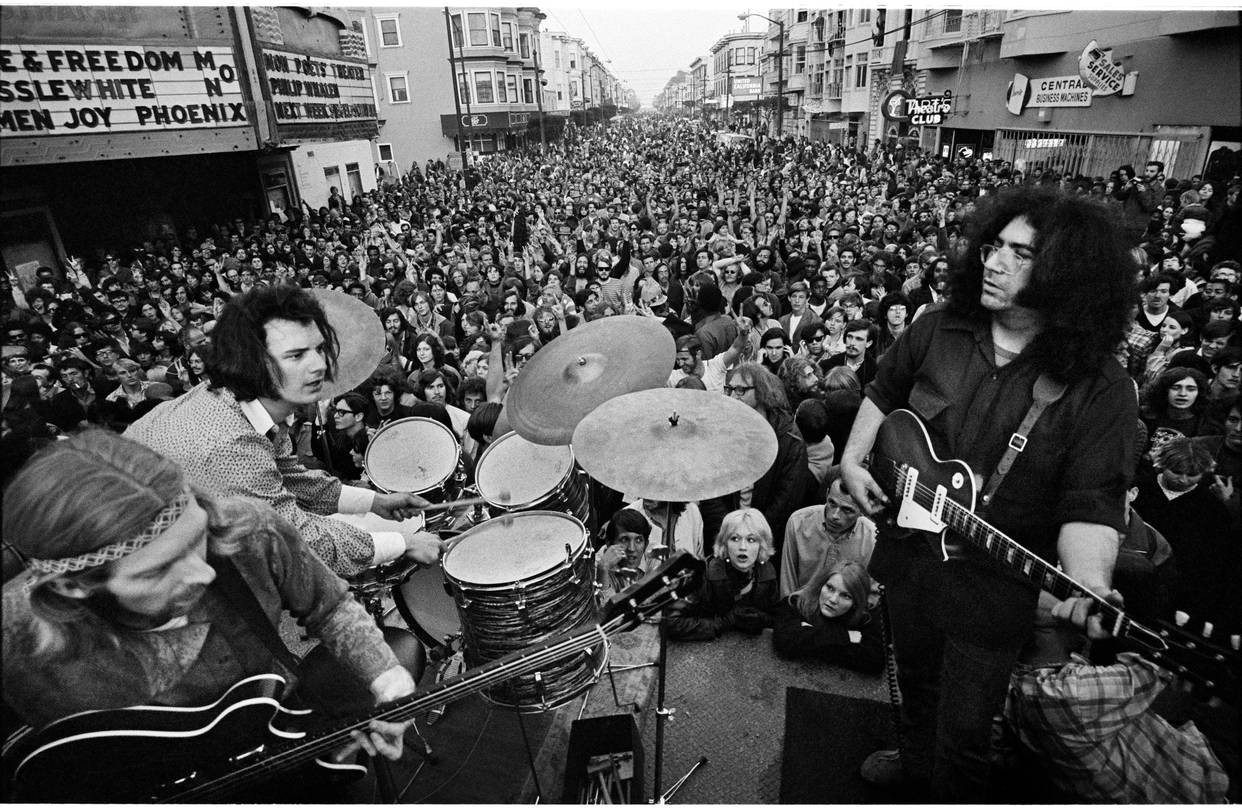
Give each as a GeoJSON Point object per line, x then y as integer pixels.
{"type": "Point", "coordinates": [543, 135]}
{"type": "Point", "coordinates": [461, 140]}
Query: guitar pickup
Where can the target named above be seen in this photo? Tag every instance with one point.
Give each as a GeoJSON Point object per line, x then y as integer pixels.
{"type": "Point", "coordinates": [910, 515]}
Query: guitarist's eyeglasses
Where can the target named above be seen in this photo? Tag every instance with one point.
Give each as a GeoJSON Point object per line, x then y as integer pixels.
{"type": "Point", "coordinates": [1015, 260]}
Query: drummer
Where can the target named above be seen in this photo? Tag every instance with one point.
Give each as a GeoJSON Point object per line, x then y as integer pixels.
{"type": "Point", "coordinates": [273, 350]}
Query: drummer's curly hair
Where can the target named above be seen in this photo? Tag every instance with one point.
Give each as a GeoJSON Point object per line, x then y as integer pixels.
{"type": "Point", "coordinates": [238, 358]}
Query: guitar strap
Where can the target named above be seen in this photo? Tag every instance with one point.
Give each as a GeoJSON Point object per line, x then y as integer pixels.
{"type": "Point", "coordinates": [243, 600]}
{"type": "Point", "coordinates": [1046, 392]}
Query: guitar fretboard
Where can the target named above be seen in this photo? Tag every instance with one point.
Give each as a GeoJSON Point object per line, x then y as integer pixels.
{"type": "Point", "coordinates": [999, 546]}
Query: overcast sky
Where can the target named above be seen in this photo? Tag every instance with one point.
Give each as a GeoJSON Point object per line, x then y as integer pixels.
{"type": "Point", "coordinates": [648, 45]}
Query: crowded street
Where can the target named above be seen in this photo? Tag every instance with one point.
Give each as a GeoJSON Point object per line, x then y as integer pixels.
{"type": "Point", "coordinates": [594, 436]}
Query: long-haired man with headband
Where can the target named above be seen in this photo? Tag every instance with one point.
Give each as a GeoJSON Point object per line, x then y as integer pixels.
{"type": "Point", "coordinates": [273, 350]}
{"type": "Point", "coordinates": [124, 600]}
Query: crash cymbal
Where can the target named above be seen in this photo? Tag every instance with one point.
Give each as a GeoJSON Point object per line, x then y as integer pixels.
{"type": "Point", "coordinates": [360, 335]}
{"type": "Point", "coordinates": [675, 444]}
{"type": "Point", "coordinates": [583, 368]}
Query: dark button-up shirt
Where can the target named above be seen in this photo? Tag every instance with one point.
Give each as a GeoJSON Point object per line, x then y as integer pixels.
{"type": "Point", "coordinates": [1075, 468]}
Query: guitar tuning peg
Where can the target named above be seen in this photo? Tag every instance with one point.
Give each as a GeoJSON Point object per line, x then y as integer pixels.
{"type": "Point", "coordinates": [1180, 618]}
{"type": "Point", "coordinates": [1235, 641]}
{"type": "Point", "coordinates": [1208, 627]}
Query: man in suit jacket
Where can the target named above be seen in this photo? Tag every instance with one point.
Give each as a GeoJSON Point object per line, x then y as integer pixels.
{"type": "Point", "coordinates": [799, 313]}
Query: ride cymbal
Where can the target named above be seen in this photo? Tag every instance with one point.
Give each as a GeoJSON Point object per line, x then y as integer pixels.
{"type": "Point", "coordinates": [361, 338]}
{"type": "Point", "coordinates": [583, 368]}
{"type": "Point", "coordinates": [675, 444]}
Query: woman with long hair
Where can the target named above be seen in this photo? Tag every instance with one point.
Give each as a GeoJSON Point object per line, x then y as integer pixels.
{"type": "Point", "coordinates": [829, 620]}
{"type": "Point", "coordinates": [1176, 404]}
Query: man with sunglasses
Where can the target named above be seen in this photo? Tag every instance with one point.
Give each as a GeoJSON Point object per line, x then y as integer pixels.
{"type": "Point", "coordinates": [970, 369]}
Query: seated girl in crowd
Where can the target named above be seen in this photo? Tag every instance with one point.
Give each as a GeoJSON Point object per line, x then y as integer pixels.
{"type": "Point", "coordinates": [739, 587]}
{"type": "Point", "coordinates": [828, 620]}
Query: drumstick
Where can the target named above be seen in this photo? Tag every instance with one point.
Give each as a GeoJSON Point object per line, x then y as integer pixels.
{"type": "Point", "coordinates": [440, 507]}
{"type": "Point", "coordinates": [505, 497]}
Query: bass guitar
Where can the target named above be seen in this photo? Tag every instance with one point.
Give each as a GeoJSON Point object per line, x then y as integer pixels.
{"type": "Point", "coordinates": [213, 753]}
{"type": "Point", "coordinates": [934, 495]}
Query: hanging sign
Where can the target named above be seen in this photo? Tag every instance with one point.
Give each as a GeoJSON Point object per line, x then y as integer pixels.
{"type": "Point", "coordinates": [899, 105]}
{"type": "Point", "coordinates": [1099, 71]}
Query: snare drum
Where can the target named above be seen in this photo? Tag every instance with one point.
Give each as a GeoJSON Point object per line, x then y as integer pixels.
{"type": "Point", "coordinates": [516, 580]}
{"type": "Point", "coordinates": [514, 475]}
{"type": "Point", "coordinates": [415, 455]}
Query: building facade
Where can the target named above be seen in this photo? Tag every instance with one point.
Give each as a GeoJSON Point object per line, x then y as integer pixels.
{"type": "Point", "coordinates": [407, 48]}
{"type": "Point", "coordinates": [1077, 91]}
{"type": "Point", "coordinates": [119, 124]}
{"type": "Point", "coordinates": [736, 77]}
{"type": "Point", "coordinates": [1086, 91]}
{"type": "Point", "coordinates": [579, 85]}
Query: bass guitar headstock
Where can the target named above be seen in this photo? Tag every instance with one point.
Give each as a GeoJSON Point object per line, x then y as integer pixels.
{"type": "Point", "coordinates": [1202, 664]}
{"type": "Point", "coordinates": [656, 590]}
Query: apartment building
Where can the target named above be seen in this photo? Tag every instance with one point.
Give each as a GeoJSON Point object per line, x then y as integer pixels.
{"type": "Point", "coordinates": [736, 77]}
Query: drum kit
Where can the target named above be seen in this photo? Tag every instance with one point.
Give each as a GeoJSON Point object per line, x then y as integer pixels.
{"type": "Point", "coordinates": [590, 406]}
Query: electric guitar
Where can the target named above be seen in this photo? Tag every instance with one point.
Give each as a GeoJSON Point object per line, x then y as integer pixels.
{"type": "Point", "coordinates": [211, 753]}
{"type": "Point", "coordinates": [938, 496]}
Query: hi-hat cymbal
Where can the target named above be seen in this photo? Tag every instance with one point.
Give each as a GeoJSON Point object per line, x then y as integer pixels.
{"type": "Point", "coordinates": [675, 444]}
{"type": "Point", "coordinates": [361, 338]}
{"type": "Point", "coordinates": [583, 368]}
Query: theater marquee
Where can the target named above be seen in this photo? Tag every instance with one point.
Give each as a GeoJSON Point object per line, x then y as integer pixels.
{"type": "Point", "coordinates": [311, 89]}
{"type": "Point", "coordinates": [75, 89]}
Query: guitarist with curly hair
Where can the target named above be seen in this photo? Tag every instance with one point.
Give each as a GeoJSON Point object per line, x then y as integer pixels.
{"type": "Point", "coordinates": [1037, 303]}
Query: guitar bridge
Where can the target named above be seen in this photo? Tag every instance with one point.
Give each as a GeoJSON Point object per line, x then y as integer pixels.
{"type": "Point", "coordinates": [912, 516]}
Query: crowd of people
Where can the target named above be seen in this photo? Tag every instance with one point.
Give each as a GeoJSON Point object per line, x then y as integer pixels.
{"type": "Point", "coordinates": [821, 285]}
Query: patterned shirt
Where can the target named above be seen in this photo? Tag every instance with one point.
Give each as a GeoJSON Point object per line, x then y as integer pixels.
{"type": "Point", "coordinates": [1094, 729]}
{"type": "Point", "coordinates": [209, 435]}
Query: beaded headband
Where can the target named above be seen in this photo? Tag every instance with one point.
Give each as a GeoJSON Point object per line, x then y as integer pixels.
{"type": "Point", "coordinates": [158, 525]}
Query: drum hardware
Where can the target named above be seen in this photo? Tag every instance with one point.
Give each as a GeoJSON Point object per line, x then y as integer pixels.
{"type": "Point", "coordinates": [720, 444]}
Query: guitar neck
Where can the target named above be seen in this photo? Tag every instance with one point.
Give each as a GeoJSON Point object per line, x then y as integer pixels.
{"type": "Point", "coordinates": [1012, 555]}
{"type": "Point", "coordinates": [321, 742]}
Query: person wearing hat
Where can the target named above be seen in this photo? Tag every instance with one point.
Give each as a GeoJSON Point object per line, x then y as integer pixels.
{"type": "Point", "coordinates": [273, 350]}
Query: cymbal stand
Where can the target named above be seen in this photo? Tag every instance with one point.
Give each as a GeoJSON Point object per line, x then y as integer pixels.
{"type": "Point", "coordinates": [663, 712]}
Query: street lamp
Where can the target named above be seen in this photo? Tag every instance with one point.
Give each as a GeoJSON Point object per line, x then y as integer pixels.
{"type": "Point", "coordinates": [780, 69]}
